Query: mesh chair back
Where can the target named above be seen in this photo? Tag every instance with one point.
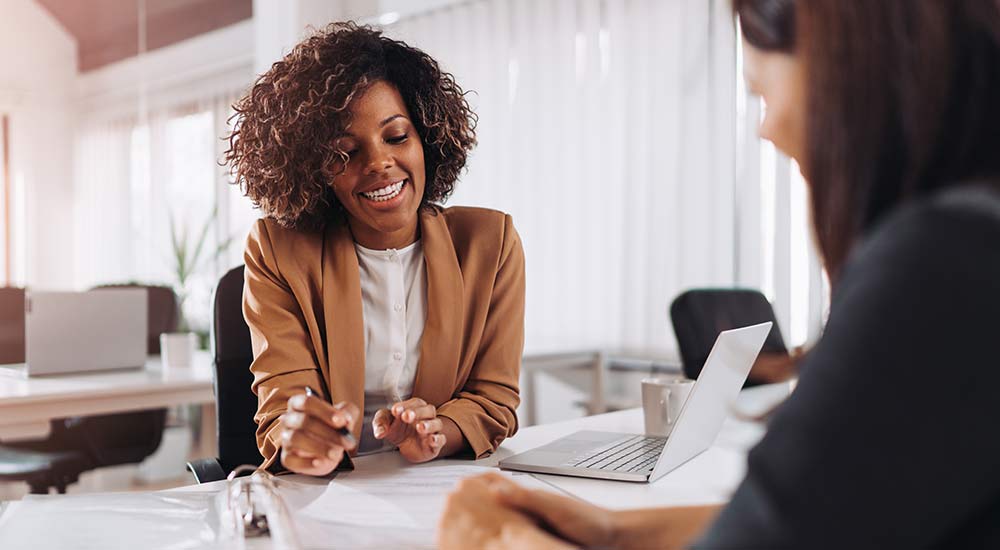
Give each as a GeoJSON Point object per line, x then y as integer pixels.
{"type": "Point", "coordinates": [11, 325]}
{"type": "Point", "coordinates": [699, 315]}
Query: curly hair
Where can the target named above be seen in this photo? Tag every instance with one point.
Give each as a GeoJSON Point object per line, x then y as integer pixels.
{"type": "Point", "coordinates": [282, 151]}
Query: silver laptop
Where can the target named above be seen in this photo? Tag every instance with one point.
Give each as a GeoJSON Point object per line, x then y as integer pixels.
{"type": "Point", "coordinates": [69, 332]}
{"type": "Point", "coordinates": [628, 457]}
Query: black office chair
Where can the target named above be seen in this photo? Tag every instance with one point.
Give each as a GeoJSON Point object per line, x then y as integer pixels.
{"type": "Point", "coordinates": [235, 403]}
{"type": "Point", "coordinates": [79, 444]}
{"type": "Point", "coordinates": [43, 468]}
{"type": "Point", "coordinates": [699, 315]}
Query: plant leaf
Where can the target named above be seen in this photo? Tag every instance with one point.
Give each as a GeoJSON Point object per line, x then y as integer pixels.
{"type": "Point", "coordinates": [202, 237]}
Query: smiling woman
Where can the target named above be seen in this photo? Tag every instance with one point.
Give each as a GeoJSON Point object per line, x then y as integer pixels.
{"type": "Point", "coordinates": [382, 189]}
{"type": "Point", "coordinates": [404, 318]}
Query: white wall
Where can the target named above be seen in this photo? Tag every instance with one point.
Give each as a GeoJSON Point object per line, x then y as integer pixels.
{"type": "Point", "coordinates": [37, 70]}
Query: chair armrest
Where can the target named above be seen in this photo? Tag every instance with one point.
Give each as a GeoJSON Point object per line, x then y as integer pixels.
{"type": "Point", "coordinates": [206, 469]}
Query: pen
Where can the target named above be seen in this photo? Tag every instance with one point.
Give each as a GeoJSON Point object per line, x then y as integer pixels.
{"type": "Point", "coordinates": [343, 431]}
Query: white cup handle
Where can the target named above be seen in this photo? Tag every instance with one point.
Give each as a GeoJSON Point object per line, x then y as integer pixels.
{"type": "Point", "coordinates": [666, 405]}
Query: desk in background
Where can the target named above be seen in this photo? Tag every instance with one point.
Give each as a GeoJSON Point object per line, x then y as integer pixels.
{"type": "Point", "coordinates": [27, 405]}
{"type": "Point", "coordinates": [600, 374]}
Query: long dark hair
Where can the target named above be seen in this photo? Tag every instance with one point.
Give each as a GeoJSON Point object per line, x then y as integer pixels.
{"type": "Point", "coordinates": [903, 100]}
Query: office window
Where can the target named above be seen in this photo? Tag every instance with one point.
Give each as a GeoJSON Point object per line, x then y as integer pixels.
{"type": "Point", "coordinates": [154, 206]}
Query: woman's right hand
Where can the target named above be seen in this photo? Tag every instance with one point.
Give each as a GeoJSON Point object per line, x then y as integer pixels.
{"type": "Point", "coordinates": [310, 441]}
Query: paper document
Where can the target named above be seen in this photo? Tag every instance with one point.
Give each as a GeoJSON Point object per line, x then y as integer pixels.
{"type": "Point", "coordinates": [386, 503]}
{"type": "Point", "coordinates": [380, 508]}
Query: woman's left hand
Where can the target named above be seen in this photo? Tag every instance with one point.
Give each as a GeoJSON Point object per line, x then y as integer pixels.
{"type": "Point", "coordinates": [413, 426]}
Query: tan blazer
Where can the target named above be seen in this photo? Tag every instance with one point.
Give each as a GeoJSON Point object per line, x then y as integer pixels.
{"type": "Point", "coordinates": [302, 301]}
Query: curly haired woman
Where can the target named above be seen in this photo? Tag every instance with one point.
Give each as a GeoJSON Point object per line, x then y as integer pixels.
{"type": "Point", "coordinates": [379, 319]}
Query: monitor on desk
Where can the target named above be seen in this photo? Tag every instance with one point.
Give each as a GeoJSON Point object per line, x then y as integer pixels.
{"type": "Point", "coordinates": [70, 332]}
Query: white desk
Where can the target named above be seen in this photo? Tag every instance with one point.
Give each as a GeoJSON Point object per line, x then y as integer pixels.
{"type": "Point", "coordinates": [708, 478]}
{"type": "Point", "coordinates": [28, 404]}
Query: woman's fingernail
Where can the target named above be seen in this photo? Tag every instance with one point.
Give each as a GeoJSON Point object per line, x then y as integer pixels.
{"type": "Point", "coordinates": [409, 416]}
{"type": "Point", "coordinates": [379, 431]}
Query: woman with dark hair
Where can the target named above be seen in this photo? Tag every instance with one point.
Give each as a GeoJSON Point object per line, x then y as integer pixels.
{"type": "Point", "coordinates": [379, 319]}
{"type": "Point", "coordinates": [892, 109]}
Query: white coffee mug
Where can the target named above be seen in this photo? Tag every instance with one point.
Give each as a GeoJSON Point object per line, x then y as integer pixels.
{"type": "Point", "coordinates": [177, 349]}
{"type": "Point", "coordinates": [662, 401]}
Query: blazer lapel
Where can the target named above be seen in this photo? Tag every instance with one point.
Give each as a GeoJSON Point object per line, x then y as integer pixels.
{"type": "Point", "coordinates": [345, 337]}
{"type": "Point", "coordinates": [441, 344]}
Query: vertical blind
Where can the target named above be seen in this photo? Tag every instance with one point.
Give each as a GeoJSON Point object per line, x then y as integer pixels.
{"type": "Point", "coordinates": [617, 134]}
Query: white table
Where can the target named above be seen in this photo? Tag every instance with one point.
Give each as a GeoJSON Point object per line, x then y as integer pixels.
{"type": "Point", "coordinates": [27, 404]}
{"type": "Point", "coordinates": [708, 478]}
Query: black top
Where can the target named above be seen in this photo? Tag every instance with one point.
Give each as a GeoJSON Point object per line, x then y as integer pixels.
{"type": "Point", "coordinates": [890, 439]}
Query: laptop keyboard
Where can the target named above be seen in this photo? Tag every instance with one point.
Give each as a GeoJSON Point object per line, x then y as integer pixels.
{"type": "Point", "coordinates": [631, 454]}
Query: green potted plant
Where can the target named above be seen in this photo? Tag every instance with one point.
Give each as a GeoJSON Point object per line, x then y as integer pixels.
{"type": "Point", "coordinates": [189, 258]}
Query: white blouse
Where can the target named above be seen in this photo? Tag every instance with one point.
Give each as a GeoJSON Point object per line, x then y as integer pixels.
{"type": "Point", "coordinates": [394, 305]}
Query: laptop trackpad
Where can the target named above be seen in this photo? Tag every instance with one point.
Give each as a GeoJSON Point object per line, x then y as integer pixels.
{"type": "Point", "coordinates": [578, 441]}
{"type": "Point", "coordinates": [559, 451]}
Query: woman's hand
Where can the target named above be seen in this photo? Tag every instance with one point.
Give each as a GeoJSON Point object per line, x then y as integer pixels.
{"type": "Point", "coordinates": [526, 518]}
{"type": "Point", "coordinates": [468, 521]}
{"type": "Point", "coordinates": [311, 442]}
{"type": "Point", "coordinates": [576, 521]}
{"type": "Point", "coordinates": [770, 367]}
{"type": "Point", "coordinates": [413, 426]}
